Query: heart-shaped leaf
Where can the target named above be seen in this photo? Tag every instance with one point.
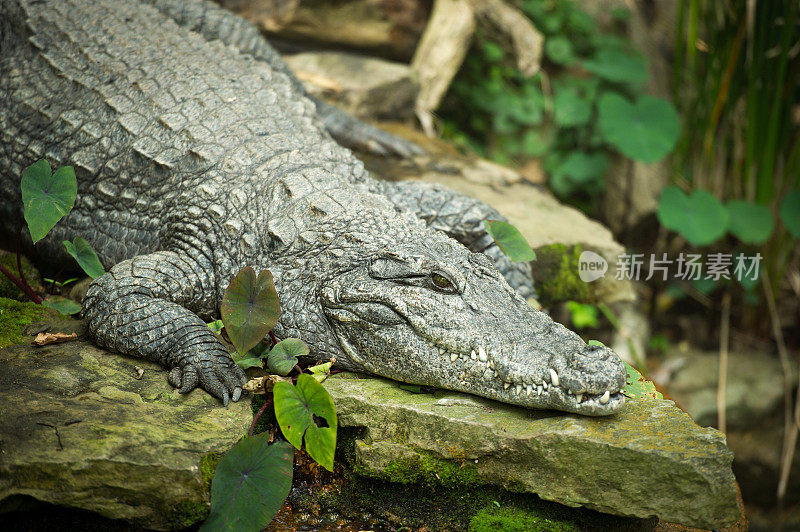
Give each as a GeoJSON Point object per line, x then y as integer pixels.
{"type": "Point", "coordinates": [582, 167]}
{"type": "Point", "coordinates": [306, 411]}
{"type": "Point", "coordinates": [250, 308]}
{"type": "Point", "coordinates": [790, 213]}
{"type": "Point", "coordinates": [750, 223]}
{"type": "Point", "coordinates": [570, 109]}
{"type": "Point", "coordinates": [321, 371]}
{"type": "Point", "coordinates": [700, 218]}
{"type": "Point", "coordinates": [283, 357]}
{"type": "Point", "coordinates": [559, 49]}
{"type": "Point", "coordinates": [47, 197]}
{"type": "Point", "coordinates": [639, 386]}
{"type": "Point", "coordinates": [62, 304]}
{"type": "Point", "coordinates": [618, 65]}
{"type": "Point", "coordinates": [646, 131]}
{"type": "Point", "coordinates": [87, 259]}
{"type": "Point", "coordinates": [510, 240]}
{"type": "Point", "coordinates": [250, 484]}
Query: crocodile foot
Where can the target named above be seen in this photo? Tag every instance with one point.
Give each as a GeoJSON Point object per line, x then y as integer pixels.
{"type": "Point", "coordinates": [219, 376]}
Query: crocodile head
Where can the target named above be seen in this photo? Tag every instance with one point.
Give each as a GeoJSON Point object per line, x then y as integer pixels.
{"type": "Point", "coordinates": [447, 318]}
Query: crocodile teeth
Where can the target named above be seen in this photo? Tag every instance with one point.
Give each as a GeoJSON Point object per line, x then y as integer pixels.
{"type": "Point", "coordinates": [528, 389]}
{"type": "Point", "coordinates": [554, 377]}
{"type": "Point", "coordinates": [544, 383]}
{"type": "Point", "coordinates": [506, 385]}
{"type": "Point", "coordinates": [482, 354]}
{"type": "Point", "coordinates": [538, 390]}
{"type": "Point", "coordinates": [491, 363]}
{"type": "Point", "coordinates": [519, 388]}
{"type": "Point", "coordinates": [605, 397]}
{"type": "Point", "coordinates": [472, 355]}
{"type": "Point", "coordinates": [579, 398]}
{"type": "Point", "coordinates": [453, 357]}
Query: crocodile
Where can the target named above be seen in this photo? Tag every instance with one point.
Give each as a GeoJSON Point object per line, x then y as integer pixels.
{"type": "Point", "coordinates": [198, 153]}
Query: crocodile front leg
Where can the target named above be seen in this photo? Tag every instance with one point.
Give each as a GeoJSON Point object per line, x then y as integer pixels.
{"type": "Point", "coordinates": [461, 217]}
{"type": "Point", "coordinates": [141, 307]}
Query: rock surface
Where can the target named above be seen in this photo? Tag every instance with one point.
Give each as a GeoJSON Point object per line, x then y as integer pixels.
{"type": "Point", "coordinates": [651, 459]}
{"type": "Point", "coordinates": [77, 428]}
{"type": "Point", "coordinates": [365, 87]}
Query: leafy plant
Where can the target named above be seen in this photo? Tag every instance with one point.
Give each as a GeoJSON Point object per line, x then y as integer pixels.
{"type": "Point", "coordinates": [47, 197]}
{"type": "Point", "coordinates": [250, 484]}
{"type": "Point", "coordinates": [250, 308]}
{"type": "Point", "coordinates": [510, 240]}
{"type": "Point", "coordinates": [585, 103]}
{"type": "Point", "coordinates": [249, 490]}
{"type": "Point", "coordinates": [305, 413]}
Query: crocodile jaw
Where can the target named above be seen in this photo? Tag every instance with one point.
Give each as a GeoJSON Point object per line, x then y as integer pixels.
{"type": "Point", "coordinates": [507, 352]}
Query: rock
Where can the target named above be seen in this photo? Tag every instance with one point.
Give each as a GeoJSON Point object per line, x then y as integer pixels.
{"type": "Point", "coordinates": [754, 389]}
{"type": "Point", "coordinates": [363, 86]}
{"type": "Point", "coordinates": [650, 459]}
{"type": "Point", "coordinates": [78, 429]}
{"type": "Point", "coordinates": [386, 28]}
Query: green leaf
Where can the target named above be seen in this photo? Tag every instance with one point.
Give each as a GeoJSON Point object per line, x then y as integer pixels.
{"type": "Point", "coordinates": [493, 52]}
{"type": "Point", "coordinates": [87, 259]}
{"type": "Point", "coordinates": [62, 304]}
{"type": "Point", "coordinates": [510, 240]}
{"type": "Point", "coordinates": [596, 342]}
{"type": "Point", "coordinates": [250, 484]}
{"type": "Point", "coordinates": [216, 326]}
{"type": "Point", "coordinates": [306, 412]}
{"type": "Point", "coordinates": [750, 223]}
{"type": "Point", "coordinates": [283, 357]}
{"type": "Point", "coordinates": [618, 65]}
{"type": "Point", "coordinates": [248, 362]}
{"type": "Point", "coordinates": [559, 50]}
{"type": "Point", "coordinates": [321, 371]}
{"type": "Point", "coordinates": [646, 131]}
{"type": "Point", "coordinates": [582, 315]}
{"type": "Point", "coordinates": [638, 386]}
{"type": "Point", "coordinates": [700, 218]}
{"type": "Point", "coordinates": [250, 308]}
{"type": "Point", "coordinates": [47, 197]}
{"type": "Point", "coordinates": [570, 109]}
{"type": "Point", "coordinates": [582, 167]}
{"type": "Point", "coordinates": [790, 213]}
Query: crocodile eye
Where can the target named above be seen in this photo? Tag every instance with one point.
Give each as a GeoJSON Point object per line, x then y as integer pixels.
{"type": "Point", "coordinates": [442, 283]}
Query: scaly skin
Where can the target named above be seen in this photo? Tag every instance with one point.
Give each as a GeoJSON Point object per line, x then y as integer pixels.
{"type": "Point", "coordinates": [198, 154]}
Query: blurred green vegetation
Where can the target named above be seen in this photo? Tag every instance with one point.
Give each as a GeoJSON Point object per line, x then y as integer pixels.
{"type": "Point", "coordinates": [586, 102]}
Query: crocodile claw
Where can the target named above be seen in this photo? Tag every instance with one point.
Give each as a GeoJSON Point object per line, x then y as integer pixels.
{"type": "Point", "coordinates": [219, 376]}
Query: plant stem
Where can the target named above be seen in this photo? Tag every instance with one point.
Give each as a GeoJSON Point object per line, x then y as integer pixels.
{"type": "Point", "coordinates": [790, 428]}
{"type": "Point", "coordinates": [272, 337]}
{"type": "Point", "coordinates": [258, 415]}
{"type": "Point", "coordinates": [27, 290]}
{"type": "Point", "coordinates": [722, 383]}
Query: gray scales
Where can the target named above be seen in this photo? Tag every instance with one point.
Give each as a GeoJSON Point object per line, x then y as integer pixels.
{"type": "Point", "coordinates": [198, 153]}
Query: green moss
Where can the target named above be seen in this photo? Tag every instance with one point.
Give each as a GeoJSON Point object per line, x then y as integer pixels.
{"type": "Point", "coordinates": [7, 288]}
{"type": "Point", "coordinates": [494, 519]}
{"type": "Point", "coordinates": [187, 513]}
{"type": "Point", "coordinates": [208, 465]}
{"type": "Point", "coordinates": [556, 273]}
{"type": "Point", "coordinates": [449, 508]}
{"type": "Point", "coordinates": [14, 316]}
{"type": "Point", "coordinates": [425, 469]}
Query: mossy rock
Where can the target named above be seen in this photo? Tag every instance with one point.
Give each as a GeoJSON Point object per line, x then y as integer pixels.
{"type": "Point", "coordinates": [555, 271]}
{"type": "Point", "coordinates": [7, 288]}
{"type": "Point", "coordinates": [14, 316]}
